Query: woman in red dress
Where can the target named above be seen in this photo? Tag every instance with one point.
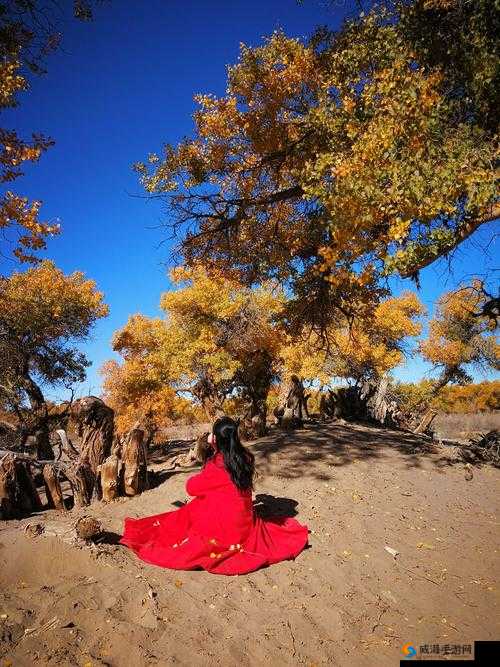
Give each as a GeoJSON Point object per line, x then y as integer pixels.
{"type": "Point", "coordinates": [218, 530]}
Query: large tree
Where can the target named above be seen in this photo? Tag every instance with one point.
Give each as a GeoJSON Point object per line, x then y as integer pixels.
{"type": "Point", "coordinates": [43, 314]}
{"type": "Point", "coordinates": [332, 163]}
{"type": "Point", "coordinates": [367, 350]}
{"type": "Point", "coordinates": [219, 341]}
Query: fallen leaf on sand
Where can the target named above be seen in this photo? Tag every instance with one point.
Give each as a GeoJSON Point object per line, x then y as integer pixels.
{"type": "Point", "coordinates": [391, 551]}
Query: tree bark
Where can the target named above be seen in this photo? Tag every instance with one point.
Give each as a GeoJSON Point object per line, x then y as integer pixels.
{"type": "Point", "coordinates": [110, 473]}
{"type": "Point", "coordinates": [134, 458]}
{"type": "Point", "coordinates": [53, 487]}
{"type": "Point", "coordinates": [18, 494]}
{"type": "Point", "coordinates": [95, 426]}
{"type": "Point", "coordinates": [82, 479]}
{"type": "Point", "coordinates": [425, 422]}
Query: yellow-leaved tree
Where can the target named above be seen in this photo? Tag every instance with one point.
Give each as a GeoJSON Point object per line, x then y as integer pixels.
{"type": "Point", "coordinates": [462, 334]}
{"type": "Point", "coordinates": [43, 314]}
{"type": "Point", "coordinates": [332, 163]}
{"type": "Point", "coordinates": [368, 349]}
{"type": "Point", "coordinates": [218, 341]}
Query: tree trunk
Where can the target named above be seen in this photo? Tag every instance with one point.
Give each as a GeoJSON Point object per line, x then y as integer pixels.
{"type": "Point", "coordinates": [82, 480]}
{"type": "Point", "coordinates": [294, 404]}
{"type": "Point", "coordinates": [18, 494]}
{"type": "Point", "coordinates": [110, 473]}
{"type": "Point", "coordinates": [95, 426]}
{"type": "Point", "coordinates": [134, 458]}
{"type": "Point", "coordinates": [425, 422]}
{"type": "Point", "coordinates": [53, 488]}
{"type": "Point", "coordinates": [40, 413]}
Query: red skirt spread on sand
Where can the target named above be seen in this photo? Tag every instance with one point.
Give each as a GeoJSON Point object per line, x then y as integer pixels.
{"type": "Point", "coordinates": [217, 531]}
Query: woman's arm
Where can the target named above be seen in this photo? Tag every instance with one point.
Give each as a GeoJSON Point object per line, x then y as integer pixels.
{"type": "Point", "coordinates": [205, 481]}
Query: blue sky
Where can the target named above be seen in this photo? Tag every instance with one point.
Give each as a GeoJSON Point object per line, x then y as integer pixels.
{"type": "Point", "coordinates": [119, 88]}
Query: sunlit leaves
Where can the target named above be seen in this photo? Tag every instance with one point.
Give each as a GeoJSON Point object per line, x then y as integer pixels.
{"type": "Point", "coordinates": [358, 154]}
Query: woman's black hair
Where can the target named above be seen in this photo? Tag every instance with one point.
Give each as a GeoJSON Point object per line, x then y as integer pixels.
{"type": "Point", "coordinates": [239, 462]}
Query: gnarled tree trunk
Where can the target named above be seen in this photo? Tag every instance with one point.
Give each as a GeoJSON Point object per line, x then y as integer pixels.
{"type": "Point", "coordinates": [95, 426]}
{"type": "Point", "coordinates": [18, 494]}
{"type": "Point", "coordinates": [82, 480]}
{"type": "Point", "coordinates": [53, 487]}
{"type": "Point", "coordinates": [293, 404]}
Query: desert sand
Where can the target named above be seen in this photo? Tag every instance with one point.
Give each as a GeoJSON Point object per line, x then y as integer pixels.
{"type": "Point", "coordinates": [344, 601]}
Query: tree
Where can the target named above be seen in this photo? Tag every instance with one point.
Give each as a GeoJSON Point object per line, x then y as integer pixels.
{"type": "Point", "coordinates": [28, 33]}
{"type": "Point", "coordinates": [43, 313]}
{"type": "Point", "coordinates": [218, 342]}
{"type": "Point", "coordinates": [330, 164]}
{"type": "Point", "coordinates": [461, 335]}
{"type": "Point", "coordinates": [366, 350]}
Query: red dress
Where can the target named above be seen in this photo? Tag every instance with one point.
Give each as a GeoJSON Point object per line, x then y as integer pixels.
{"type": "Point", "coordinates": [217, 531]}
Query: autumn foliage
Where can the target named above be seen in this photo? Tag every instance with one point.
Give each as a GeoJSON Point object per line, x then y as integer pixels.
{"type": "Point", "coordinates": [43, 315]}
{"type": "Point", "coordinates": [332, 163]}
{"type": "Point", "coordinates": [462, 334]}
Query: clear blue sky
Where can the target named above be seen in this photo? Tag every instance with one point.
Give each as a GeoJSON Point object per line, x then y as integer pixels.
{"type": "Point", "coordinates": [118, 89]}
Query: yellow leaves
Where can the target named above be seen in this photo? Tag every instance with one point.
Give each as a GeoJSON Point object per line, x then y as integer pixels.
{"type": "Point", "coordinates": [44, 299]}
{"type": "Point", "coordinates": [458, 334]}
{"type": "Point", "coordinates": [371, 345]}
{"type": "Point", "coordinates": [10, 81]}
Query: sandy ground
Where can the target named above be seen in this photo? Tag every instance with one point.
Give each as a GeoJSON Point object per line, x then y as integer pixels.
{"type": "Point", "coordinates": [345, 600]}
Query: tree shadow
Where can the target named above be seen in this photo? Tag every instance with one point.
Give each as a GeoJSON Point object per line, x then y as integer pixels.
{"type": "Point", "coordinates": [165, 451]}
{"type": "Point", "coordinates": [305, 451]}
{"type": "Point", "coordinates": [157, 477]}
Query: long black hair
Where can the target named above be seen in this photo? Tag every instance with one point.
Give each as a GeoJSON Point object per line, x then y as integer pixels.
{"type": "Point", "coordinates": [239, 462]}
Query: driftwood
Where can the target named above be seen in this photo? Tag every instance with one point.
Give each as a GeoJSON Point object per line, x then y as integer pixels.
{"type": "Point", "coordinates": [134, 458]}
{"type": "Point", "coordinates": [53, 487]}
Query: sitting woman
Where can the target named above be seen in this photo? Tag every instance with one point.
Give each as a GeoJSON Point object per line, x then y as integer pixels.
{"type": "Point", "coordinates": [218, 530]}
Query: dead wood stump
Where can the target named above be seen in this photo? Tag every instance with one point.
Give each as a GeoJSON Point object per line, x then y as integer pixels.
{"type": "Point", "coordinates": [95, 421]}
{"type": "Point", "coordinates": [88, 528]}
{"type": "Point", "coordinates": [53, 487]}
{"type": "Point", "coordinates": [82, 479]}
{"type": "Point", "coordinates": [18, 494]}
{"type": "Point", "coordinates": [134, 458]}
{"type": "Point", "coordinates": [110, 473]}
